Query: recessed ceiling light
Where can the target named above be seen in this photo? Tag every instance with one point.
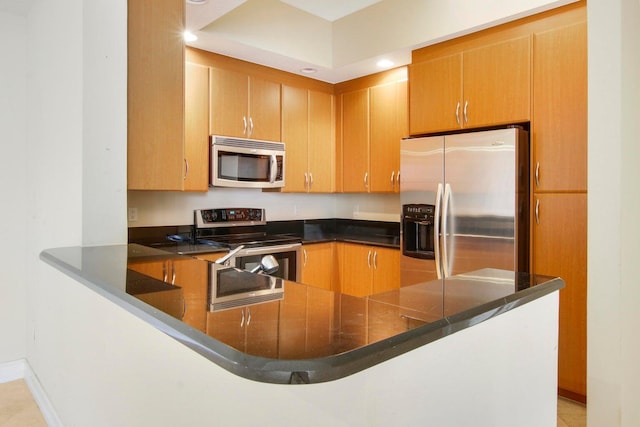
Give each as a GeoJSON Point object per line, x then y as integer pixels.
{"type": "Point", "coordinates": [189, 36]}
{"type": "Point", "coordinates": [308, 70]}
{"type": "Point", "coordinates": [385, 63]}
{"type": "Point", "coordinates": [196, 1]}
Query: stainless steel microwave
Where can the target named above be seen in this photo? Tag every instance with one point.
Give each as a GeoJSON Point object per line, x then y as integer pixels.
{"type": "Point", "coordinates": [246, 163]}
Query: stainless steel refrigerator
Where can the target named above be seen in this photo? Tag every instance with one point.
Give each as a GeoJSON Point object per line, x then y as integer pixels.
{"type": "Point", "coordinates": [465, 203]}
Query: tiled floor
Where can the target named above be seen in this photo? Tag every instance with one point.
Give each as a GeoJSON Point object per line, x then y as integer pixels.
{"type": "Point", "coordinates": [18, 409]}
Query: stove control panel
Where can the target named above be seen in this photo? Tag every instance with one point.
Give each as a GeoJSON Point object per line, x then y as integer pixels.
{"type": "Point", "coordinates": [227, 217]}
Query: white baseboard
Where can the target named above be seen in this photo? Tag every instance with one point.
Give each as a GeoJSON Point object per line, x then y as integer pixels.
{"type": "Point", "coordinates": [20, 369]}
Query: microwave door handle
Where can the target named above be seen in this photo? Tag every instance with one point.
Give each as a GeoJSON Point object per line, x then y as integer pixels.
{"type": "Point", "coordinates": [273, 168]}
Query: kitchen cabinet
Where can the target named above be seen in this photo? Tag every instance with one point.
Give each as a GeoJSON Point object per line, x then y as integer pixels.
{"type": "Point", "coordinates": [155, 95]}
{"type": "Point", "coordinates": [244, 106]}
{"type": "Point", "coordinates": [307, 131]}
{"type": "Point", "coordinates": [196, 127]}
{"type": "Point", "coordinates": [318, 265]}
{"type": "Point", "coordinates": [559, 109]}
{"type": "Point", "coordinates": [367, 270]}
{"type": "Point", "coordinates": [252, 329]}
{"type": "Point", "coordinates": [560, 249]}
{"type": "Point", "coordinates": [374, 120]}
{"type": "Point", "coordinates": [188, 274]}
{"type": "Point", "coordinates": [478, 86]}
{"type": "Point", "coordinates": [559, 182]}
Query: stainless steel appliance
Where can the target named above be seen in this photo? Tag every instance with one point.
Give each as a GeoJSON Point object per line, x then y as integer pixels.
{"type": "Point", "coordinates": [247, 163]}
{"type": "Point", "coordinates": [230, 287]}
{"type": "Point", "coordinates": [465, 203]}
{"type": "Point", "coordinates": [234, 227]}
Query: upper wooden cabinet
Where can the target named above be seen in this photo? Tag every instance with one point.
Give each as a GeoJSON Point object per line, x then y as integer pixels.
{"type": "Point", "coordinates": [307, 131]}
{"type": "Point", "coordinates": [482, 86]}
{"type": "Point", "coordinates": [560, 109]}
{"type": "Point", "coordinates": [244, 106]}
{"type": "Point", "coordinates": [196, 127]}
{"type": "Point", "coordinates": [155, 100]}
{"type": "Point", "coordinates": [374, 120]}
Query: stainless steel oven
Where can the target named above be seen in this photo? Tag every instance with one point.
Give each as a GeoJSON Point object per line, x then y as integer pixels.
{"type": "Point", "coordinates": [288, 257]}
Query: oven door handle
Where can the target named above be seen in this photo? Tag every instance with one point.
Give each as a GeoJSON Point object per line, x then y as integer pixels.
{"type": "Point", "coordinates": [262, 250]}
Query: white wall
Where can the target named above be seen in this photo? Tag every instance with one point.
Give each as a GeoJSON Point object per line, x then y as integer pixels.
{"type": "Point", "coordinates": [613, 372]}
{"type": "Point", "coordinates": [174, 208]}
{"type": "Point", "coordinates": [13, 176]}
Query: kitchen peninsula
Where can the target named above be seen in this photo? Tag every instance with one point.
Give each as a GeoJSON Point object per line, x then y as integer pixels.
{"type": "Point", "coordinates": [488, 333]}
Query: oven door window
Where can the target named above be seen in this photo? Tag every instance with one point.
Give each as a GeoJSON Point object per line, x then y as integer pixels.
{"type": "Point", "coordinates": [287, 261]}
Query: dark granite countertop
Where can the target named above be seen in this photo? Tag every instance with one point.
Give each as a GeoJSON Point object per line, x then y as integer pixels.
{"type": "Point", "coordinates": [286, 332]}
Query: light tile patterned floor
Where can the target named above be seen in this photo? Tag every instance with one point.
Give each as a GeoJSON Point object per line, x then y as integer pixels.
{"type": "Point", "coordinates": [17, 406]}
{"type": "Point", "coordinates": [18, 409]}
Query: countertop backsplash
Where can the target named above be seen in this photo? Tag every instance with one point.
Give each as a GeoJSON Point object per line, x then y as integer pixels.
{"type": "Point", "coordinates": [156, 208]}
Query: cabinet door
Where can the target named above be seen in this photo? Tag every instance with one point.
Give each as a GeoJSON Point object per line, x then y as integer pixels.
{"type": "Point", "coordinates": [386, 266]}
{"type": "Point", "coordinates": [321, 142]}
{"type": "Point", "coordinates": [560, 109]}
{"type": "Point", "coordinates": [295, 131]}
{"type": "Point", "coordinates": [261, 326]}
{"type": "Point", "coordinates": [196, 127]}
{"type": "Point", "coordinates": [389, 124]}
{"type": "Point", "coordinates": [497, 83]}
{"type": "Point", "coordinates": [191, 275]}
{"type": "Point", "coordinates": [264, 109]}
{"type": "Point", "coordinates": [229, 103]}
{"type": "Point", "coordinates": [356, 269]}
{"type": "Point", "coordinates": [560, 249]}
{"type": "Point", "coordinates": [293, 323]}
{"type": "Point", "coordinates": [318, 265]}
{"type": "Point", "coordinates": [155, 100]}
{"type": "Point", "coordinates": [156, 269]}
{"type": "Point", "coordinates": [228, 327]}
{"type": "Point", "coordinates": [355, 141]}
{"type": "Point", "coordinates": [435, 91]}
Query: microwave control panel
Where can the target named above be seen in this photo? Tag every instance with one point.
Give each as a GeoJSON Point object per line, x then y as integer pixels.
{"type": "Point", "coordinates": [226, 217]}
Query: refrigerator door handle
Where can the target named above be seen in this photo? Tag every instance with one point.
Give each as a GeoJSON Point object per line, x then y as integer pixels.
{"type": "Point", "coordinates": [436, 231]}
{"type": "Point", "coordinates": [445, 213]}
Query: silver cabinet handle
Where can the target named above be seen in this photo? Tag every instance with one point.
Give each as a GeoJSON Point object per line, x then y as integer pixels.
{"type": "Point", "coordinates": [366, 180]}
{"type": "Point", "coordinates": [165, 272]}
{"type": "Point", "coordinates": [393, 181]}
{"type": "Point", "coordinates": [538, 211]}
{"type": "Point", "coordinates": [186, 168]}
{"type": "Point", "coordinates": [398, 180]}
{"type": "Point", "coordinates": [306, 181]}
{"type": "Point", "coordinates": [375, 260]}
{"type": "Point", "coordinates": [250, 126]}
{"type": "Point", "coordinates": [310, 180]}
{"type": "Point", "coordinates": [173, 274]}
{"type": "Point", "coordinates": [458, 113]}
{"type": "Point", "coordinates": [242, 318]}
{"type": "Point", "coordinates": [244, 125]}
{"type": "Point", "coordinates": [464, 112]}
{"type": "Point", "coordinates": [304, 253]}
{"type": "Point", "coordinates": [248, 316]}
{"type": "Point", "coordinates": [369, 259]}
{"type": "Point", "coordinates": [537, 174]}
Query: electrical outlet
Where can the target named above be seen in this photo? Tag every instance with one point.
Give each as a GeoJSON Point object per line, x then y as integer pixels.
{"type": "Point", "coordinates": [133, 214]}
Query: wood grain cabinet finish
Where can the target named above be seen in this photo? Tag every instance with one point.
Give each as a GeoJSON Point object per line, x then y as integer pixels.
{"type": "Point", "coordinates": [560, 109]}
{"type": "Point", "coordinates": [559, 183]}
{"type": "Point", "coordinates": [307, 131]}
{"type": "Point", "coordinates": [196, 127]}
{"type": "Point", "coordinates": [319, 265]}
{"type": "Point", "coordinates": [560, 249]}
{"type": "Point", "coordinates": [155, 98]}
{"type": "Point", "coordinates": [374, 120]}
{"type": "Point", "coordinates": [244, 106]}
{"type": "Point", "coordinates": [482, 86]}
{"type": "Point", "coordinates": [367, 270]}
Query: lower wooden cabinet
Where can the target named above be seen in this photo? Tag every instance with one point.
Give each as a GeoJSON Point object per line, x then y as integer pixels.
{"type": "Point", "coordinates": [560, 249]}
{"type": "Point", "coordinates": [319, 265]}
{"type": "Point", "coordinates": [367, 270]}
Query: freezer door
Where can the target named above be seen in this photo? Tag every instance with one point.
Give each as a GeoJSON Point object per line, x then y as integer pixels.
{"type": "Point", "coordinates": [421, 175]}
{"type": "Point", "coordinates": [479, 202]}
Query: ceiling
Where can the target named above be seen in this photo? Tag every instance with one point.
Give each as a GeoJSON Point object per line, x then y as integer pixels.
{"type": "Point", "coordinates": [341, 39]}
